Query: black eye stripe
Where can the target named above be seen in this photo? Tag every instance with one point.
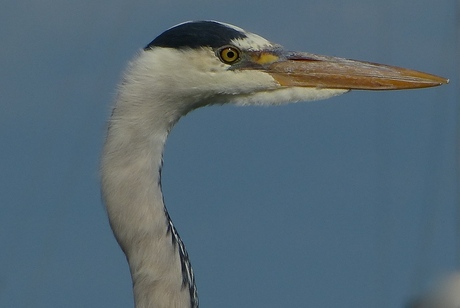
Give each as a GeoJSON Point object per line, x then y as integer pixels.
{"type": "Point", "coordinates": [197, 34]}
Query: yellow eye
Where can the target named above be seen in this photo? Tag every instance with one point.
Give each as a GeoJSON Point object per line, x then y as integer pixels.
{"type": "Point", "coordinates": [229, 55]}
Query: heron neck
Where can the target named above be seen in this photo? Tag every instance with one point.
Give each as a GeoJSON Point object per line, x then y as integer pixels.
{"type": "Point", "coordinates": [131, 189]}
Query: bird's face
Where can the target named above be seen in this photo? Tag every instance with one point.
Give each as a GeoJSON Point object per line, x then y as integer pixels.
{"type": "Point", "coordinates": [209, 61]}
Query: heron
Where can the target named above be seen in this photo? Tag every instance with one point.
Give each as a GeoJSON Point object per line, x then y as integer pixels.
{"type": "Point", "coordinates": [191, 65]}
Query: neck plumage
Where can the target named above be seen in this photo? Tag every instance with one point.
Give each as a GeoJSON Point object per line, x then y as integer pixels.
{"type": "Point", "coordinates": [131, 165]}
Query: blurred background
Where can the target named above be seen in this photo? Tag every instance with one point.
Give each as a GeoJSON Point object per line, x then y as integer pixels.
{"type": "Point", "coordinates": [348, 202]}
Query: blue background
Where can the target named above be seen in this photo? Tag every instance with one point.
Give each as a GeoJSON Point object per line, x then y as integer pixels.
{"type": "Point", "coordinates": [348, 202]}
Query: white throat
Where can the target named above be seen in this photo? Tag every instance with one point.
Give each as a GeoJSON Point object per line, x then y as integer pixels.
{"type": "Point", "coordinates": [131, 163]}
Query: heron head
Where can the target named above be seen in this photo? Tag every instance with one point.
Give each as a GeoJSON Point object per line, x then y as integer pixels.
{"type": "Point", "coordinates": [208, 62]}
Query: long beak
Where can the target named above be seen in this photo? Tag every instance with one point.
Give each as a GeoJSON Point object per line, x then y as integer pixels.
{"type": "Point", "coordinates": [299, 69]}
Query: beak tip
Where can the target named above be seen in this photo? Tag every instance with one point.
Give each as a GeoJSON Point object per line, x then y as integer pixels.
{"type": "Point", "coordinates": [441, 81]}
